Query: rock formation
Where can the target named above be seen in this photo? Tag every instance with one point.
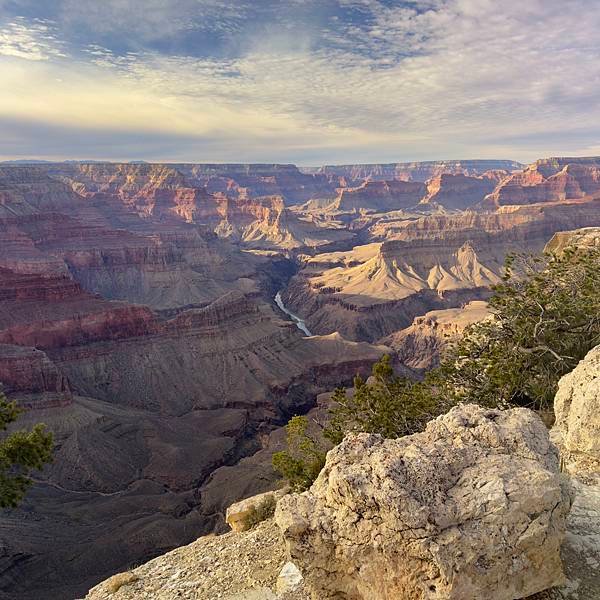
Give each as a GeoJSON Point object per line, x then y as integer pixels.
{"type": "Point", "coordinates": [586, 237]}
{"type": "Point", "coordinates": [379, 196]}
{"type": "Point", "coordinates": [577, 411]}
{"type": "Point", "coordinates": [415, 171]}
{"type": "Point", "coordinates": [457, 191]}
{"type": "Point", "coordinates": [471, 508]}
{"type": "Point", "coordinates": [426, 263]}
{"type": "Point", "coordinates": [421, 345]}
{"type": "Point", "coordinates": [549, 180]}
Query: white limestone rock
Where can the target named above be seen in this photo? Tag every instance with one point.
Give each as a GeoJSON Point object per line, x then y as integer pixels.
{"type": "Point", "coordinates": [473, 507]}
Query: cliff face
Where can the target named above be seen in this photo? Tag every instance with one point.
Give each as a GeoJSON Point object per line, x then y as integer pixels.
{"type": "Point", "coordinates": [29, 374]}
{"type": "Point", "coordinates": [380, 196]}
{"type": "Point", "coordinates": [549, 180]}
{"type": "Point", "coordinates": [420, 345]}
{"type": "Point", "coordinates": [457, 192]}
{"type": "Point", "coordinates": [417, 171]}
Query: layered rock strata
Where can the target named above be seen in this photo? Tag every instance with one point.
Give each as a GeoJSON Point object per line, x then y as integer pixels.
{"type": "Point", "coordinates": [416, 171]}
{"type": "Point", "coordinates": [421, 345]}
{"type": "Point", "coordinates": [549, 180]}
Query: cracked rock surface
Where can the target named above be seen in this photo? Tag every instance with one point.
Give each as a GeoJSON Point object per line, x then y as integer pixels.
{"type": "Point", "coordinates": [473, 507]}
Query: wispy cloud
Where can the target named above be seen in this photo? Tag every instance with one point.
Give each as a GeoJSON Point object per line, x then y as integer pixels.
{"type": "Point", "coordinates": [32, 40]}
{"type": "Point", "coordinates": [358, 79]}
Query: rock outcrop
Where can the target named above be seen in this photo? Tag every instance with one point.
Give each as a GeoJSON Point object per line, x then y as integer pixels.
{"type": "Point", "coordinates": [585, 238]}
{"type": "Point", "coordinates": [379, 196]}
{"type": "Point", "coordinates": [30, 377]}
{"type": "Point", "coordinates": [473, 507]}
{"type": "Point", "coordinates": [420, 345]}
{"type": "Point", "coordinates": [577, 410]}
{"type": "Point", "coordinates": [457, 192]}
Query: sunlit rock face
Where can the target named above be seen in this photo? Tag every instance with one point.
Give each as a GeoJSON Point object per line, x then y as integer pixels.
{"type": "Point", "coordinates": [421, 345]}
{"type": "Point", "coordinates": [577, 411]}
{"type": "Point", "coordinates": [415, 171]}
{"type": "Point", "coordinates": [423, 263]}
{"type": "Point", "coordinates": [443, 514]}
{"type": "Point", "coordinates": [549, 180]}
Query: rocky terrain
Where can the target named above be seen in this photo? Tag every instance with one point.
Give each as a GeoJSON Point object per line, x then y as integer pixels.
{"type": "Point", "coordinates": [414, 265]}
{"type": "Point", "coordinates": [549, 180]}
{"type": "Point", "coordinates": [137, 319]}
{"type": "Point", "coordinates": [421, 344]}
{"type": "Point", "coordinates": [447, 513]}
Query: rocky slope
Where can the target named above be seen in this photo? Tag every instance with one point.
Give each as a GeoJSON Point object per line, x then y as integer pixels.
{"type": "Point", "coordinates": [516, 509]}
{"type": "Point", "coordinates": [421, 345]}
{"type": "Point", "coordinates": [158, 405]}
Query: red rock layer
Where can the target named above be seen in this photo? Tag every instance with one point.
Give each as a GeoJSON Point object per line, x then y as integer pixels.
{"type": "Point", "coordinates": [33, 378]}
{"type": "Point", "coordinates": [457, 192]}
{"type": "Point", "coordinates": [380, 196]}
{"type": "Point", "coordinates": [548, 180]}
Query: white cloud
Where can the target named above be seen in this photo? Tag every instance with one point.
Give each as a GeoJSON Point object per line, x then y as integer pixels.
{"type": "Point", "coordinates": [453, 78]}
{"type": "Point", "coordinates": [29, 40]}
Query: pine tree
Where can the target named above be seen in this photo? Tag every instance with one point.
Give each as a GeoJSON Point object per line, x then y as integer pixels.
{"type": "Point", "coordinates": [21, 452]}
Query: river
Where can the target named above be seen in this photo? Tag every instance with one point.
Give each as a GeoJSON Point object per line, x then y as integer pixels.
{"type": "Point", "coordinates": [300, 324]}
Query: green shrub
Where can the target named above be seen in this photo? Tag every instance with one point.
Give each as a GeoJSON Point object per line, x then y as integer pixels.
{"type": "Point", "coordinates": [304, 458]}
{"type": "Point", "coordinates": [543, 323]}
{"type": "Point", "coordinates": [265, 510]}
{"type": "Point", "coordinates": [20, 453]}
{"type": "Point", "coordinates": [386, 404]}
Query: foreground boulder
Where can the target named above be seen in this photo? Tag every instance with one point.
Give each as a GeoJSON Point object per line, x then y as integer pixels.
{"type": "Point", "coordinates": [247, 513]}
{"type": "Point", "coordinates": [474, 507]}
{"type": "Point", "coordinates": [577, 410]}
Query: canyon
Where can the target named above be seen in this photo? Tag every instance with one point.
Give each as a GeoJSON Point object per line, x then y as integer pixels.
{"type": "Point", "coordinates": [165, 320]}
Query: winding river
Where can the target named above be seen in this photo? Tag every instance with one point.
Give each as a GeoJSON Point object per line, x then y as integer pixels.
{"type": "Point", "coordinates": [300, 324]}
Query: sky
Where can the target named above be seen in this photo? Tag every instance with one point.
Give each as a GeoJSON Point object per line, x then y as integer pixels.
{"type": "Point", "coordinates": [303, 81]}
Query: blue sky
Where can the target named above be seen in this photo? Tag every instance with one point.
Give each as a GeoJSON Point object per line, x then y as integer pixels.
{"type": "Point", "coordinates": [305, 81]}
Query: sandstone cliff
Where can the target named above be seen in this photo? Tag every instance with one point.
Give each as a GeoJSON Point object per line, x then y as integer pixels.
{"type": "Point", "coordinates": [549, 180]}
{"type": "Point", "coordinates": [421, 345]}
{"type": "Point", "coordinates": [426, 263]}
{"type": "Point", "coordinates": [416, 171]}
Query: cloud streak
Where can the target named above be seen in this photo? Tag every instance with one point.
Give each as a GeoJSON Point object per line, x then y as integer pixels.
{"type": "Point", "coordinates": [336, 81]}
